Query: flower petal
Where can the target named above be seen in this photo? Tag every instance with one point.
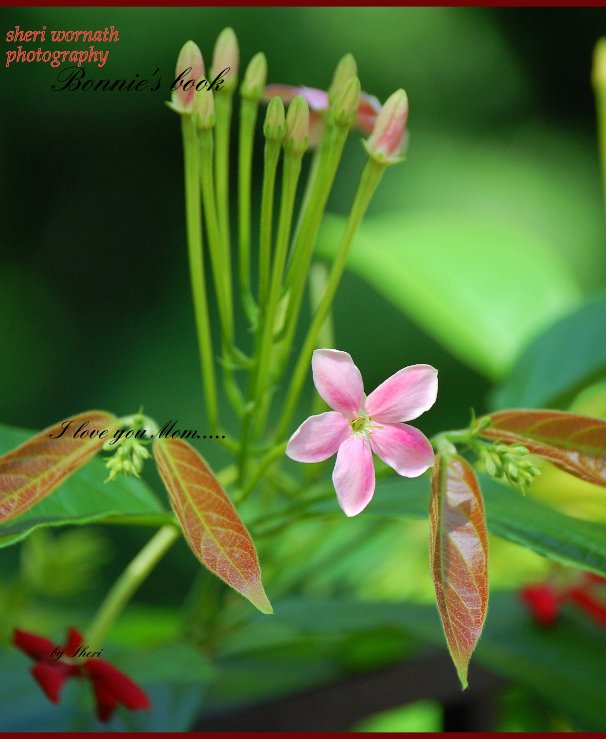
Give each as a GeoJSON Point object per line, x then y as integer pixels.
{"type": "Point", "coordinates": [368, 109]}
{"type": "Point", "coordinates": [34, 646]}
{"type": "Point", "coordinates": [402, 447]}
{"type": "Point", "coordinates": [338, 381]}
{"type": "Point", "coordinates": [51, 678]}
{"type": "Point", "coordinates": [354, 475]}
{"type": "Point", "coordinates": [74, 641]}
{"type": "Point", "coordinates": [106, 702]}
{"type": "Point", "coordinates": [543, 602]}
{"type": "Point", "coordinates": [318, 438]}
{"type": "Point", "coordinates": [405, 395]}
{"type": "Point", "coordinates": [117, 683]}
{"type": "Point", "coordinates": [316, 99]}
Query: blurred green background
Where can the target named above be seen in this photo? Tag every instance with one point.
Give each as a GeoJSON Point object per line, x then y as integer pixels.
{"type": "Point", "coordinates": [488, 234]}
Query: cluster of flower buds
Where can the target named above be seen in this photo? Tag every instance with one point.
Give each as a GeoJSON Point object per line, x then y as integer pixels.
{"type": "Point", "coordinates": [128, 458]}
{"type": "Point", "coordinates": [584, 590]}
{"type": "Point", "coordinates": [510, 462]}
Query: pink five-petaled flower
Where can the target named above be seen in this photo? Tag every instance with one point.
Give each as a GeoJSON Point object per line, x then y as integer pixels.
{"type": "Point", "coordinates": [55, 664]}
{"type": "Point", "coordinates": [368, 108]}
{"type": "Point", "coordinates": [359, 425]}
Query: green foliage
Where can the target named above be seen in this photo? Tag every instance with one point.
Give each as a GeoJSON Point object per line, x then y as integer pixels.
{"type": "Point", "coordinates": [575, 345]}
{"type": "Point", "coordinates": [511, 515]}
{"type": "Point", "coordinates": [418, 716]}
{"type": "Point", "coordinates": [547, 661]}
{"type": "Point", "coordinates": [82, 499]}
{"type": "Point", "coordinates": [483, 315]}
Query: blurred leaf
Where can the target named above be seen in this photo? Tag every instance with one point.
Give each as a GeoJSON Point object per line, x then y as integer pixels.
{"type": "Point", "coordinates": [417, 716]}
{"type": "Point", "coordinates": [576, 345]}
{"type": "Point", "coordinates": [83, 498]}
{"type": "Point", "coordinates": [65, 564]}
{"type": "Point", "coordinates": [212, 527]}
{"type": "Point", "coordinates": [575, 444]}
{"type": "Point", "coordinates": [470, 174]}
{"type": "Point", "coordinates": [459, 556]}
{"type": "Point", "coordinates": [564, 664]}
{"type": "Point", "coordinates": [509, 514]}
{"type": "Point", "coordinates": [39, 465]}
{"type": "Point", "coordinates": [561, 538]}
{"type": "Point", "coordinates": [482, 287]}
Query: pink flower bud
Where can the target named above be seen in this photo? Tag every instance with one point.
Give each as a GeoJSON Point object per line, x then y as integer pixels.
{"type": "Point", "coordinates": [385, 142]}
{"type": "Point", "coordinates": [226, 58]}
{"type": "Point", "coordinates": [189, 71]}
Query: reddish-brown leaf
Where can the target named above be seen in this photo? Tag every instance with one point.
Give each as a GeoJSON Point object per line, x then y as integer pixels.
{"type": "Point", "coordinates": [37, 467]}
{"type": "Point", "coordinates": [459, 556]}
{"type": "Point", "coordinates": [211, 525]}
{"type": "Point", "coordinates": [575, 444]}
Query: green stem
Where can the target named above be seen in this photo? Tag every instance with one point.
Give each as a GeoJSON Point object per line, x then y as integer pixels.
{"type": "Point", "coordinates": [272, 456]}
{"type": "Point", "coordinates": [223, 106]}
{"type": "Point", "coordinates": [196, 268]}
{"type": "Point", "coordinates": [306, 236]}
{"type": "Point", "coordinates": [248, 118]}
{"type": "Point", "coordinates": [222, 288]}
{"type": "Point", "coordinates": [272, 155]}
{"type": "Point", "coordinates": [290, 179]}
{"type": "Point", "coordinates": [601, 110]}
{"type": "Point", "coordinates": [371, 176]}
{"type": "Point", "coordinates": [129, 581]}
{"type": "Point", "coordinates": [318, 281]}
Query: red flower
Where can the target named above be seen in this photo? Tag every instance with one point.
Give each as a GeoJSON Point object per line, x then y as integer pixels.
{"type": "Point", "coordinates": [55, 664]}
{"type": "Point", "coordinates": [544, 603]}
{"type": "Point", "coordinates": [586, 591]}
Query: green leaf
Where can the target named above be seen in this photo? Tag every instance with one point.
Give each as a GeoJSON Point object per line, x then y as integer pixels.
{"type": "Point", "coordinates": [576, 345]}
{"type": "Point", "coordinates": [83, 498]}
{"type": "Point", "coordinates": [509, 514]}
{"type": "Point", "coordinates": [563, 664]}
{"type": "Point", "coordinates": [482, 287]}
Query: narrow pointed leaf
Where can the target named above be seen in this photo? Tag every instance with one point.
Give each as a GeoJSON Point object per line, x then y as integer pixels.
{"type": "Point", "coordinates": [37, 467]}
{"type": "Point", "coordinates": [211, 525]}
{"type": "Point", "coordinates": [575, 444]}
{"type": "Point", "coordinates": [459, 556]}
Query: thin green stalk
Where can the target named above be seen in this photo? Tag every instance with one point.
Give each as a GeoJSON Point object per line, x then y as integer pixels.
{"type": "Point", "coordinates": [223, 109]}
{"type": "Point", "coordinates": [369, 181]}
{"type": "Point", "coordinates": [310, 224]}
{"type": "Point", "coordinates": [272, 155]}
{"type": "Point", "coordinates": [318, 281]}
{"type": "Point", "coordinates": [248, 118]}
{"type": "Point", "coordinates": [599, 86]}
{"type": "Point", "coordinates": [129, 581]}
{"type": "Point", "coordinates": [292, 170]}
{"type": "Point", "coordinates": [272, 456]}
{"type": "Point", "coordinates": [311, 179]}
{"type": "Point", "coordinates": [318, 278]}
{"type": "Point", "coordinates": [193, 217]}
{"type": "Point", "coordinates": [222, 288]}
